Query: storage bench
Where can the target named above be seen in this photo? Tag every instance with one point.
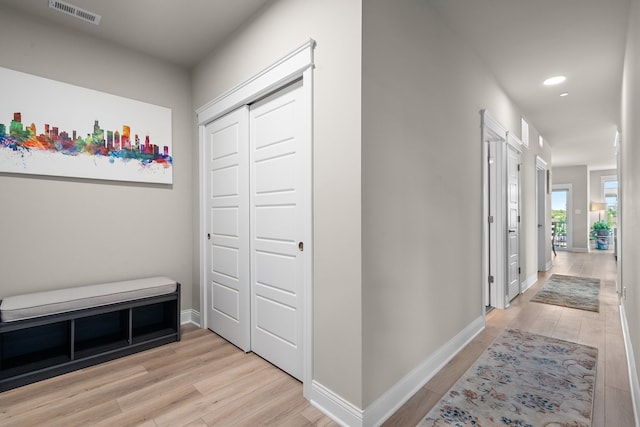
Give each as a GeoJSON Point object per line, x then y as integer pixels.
{"type": "Point", "coordinates": [49, 333]}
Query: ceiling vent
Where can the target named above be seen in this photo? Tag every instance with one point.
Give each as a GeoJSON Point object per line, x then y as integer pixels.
{"type": "Point", "coordinates": [72, 10]}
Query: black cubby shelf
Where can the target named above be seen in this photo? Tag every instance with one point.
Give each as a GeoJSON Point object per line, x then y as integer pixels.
{"type": "Point", "coordinates": [35, 349]}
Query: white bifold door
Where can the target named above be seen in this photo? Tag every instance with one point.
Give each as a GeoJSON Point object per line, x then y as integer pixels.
{"type": "Point", "coordinates": [257, 212]}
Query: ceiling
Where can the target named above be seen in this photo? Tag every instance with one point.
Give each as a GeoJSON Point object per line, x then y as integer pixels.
{"type": "Point", "coordinates": [522, 42]}
{"type": "Point", "coordinates": [177, 31]}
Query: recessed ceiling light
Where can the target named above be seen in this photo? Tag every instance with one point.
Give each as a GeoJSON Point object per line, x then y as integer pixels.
{"type": "Point", "coordinates": [554, 80]}
{"type": "Point", "coordinates": [564, 94]}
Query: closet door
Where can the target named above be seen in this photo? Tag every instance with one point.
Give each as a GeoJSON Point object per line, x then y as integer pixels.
{"type": "Point", "coordinates": [279, 161]}
{"type": "Point", "coordinates": [227, 219]}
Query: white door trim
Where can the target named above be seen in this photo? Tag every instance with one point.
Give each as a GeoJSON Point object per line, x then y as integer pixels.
{"type": "Point", "coordinates": [569, 189]}
{"type": "Point", "coordinates": [287, 69]}
{"type": "Point", "coordinates": [542, 233]}
{"type": "Point", "coordinates": [495, 134]}
{"type": "Point", "coordinates": [295, 65]}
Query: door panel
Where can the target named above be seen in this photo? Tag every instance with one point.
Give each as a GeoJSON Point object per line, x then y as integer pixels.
{"type": "Point", "coordinates": [224, 300]}
{"type": "Point", "coordinates": [224, 182]}
{"type": "Point", "coordinates": [276, 270]}
{"type": "Point", "coordinates": [277, 321]}
{"type": "Point", "coordinates": [276, 174]}
{"type": "Point", "coordinates": [227, 272]}
{"type": "Point", "coordinates": [226, 223]}
{"type": "Point", "coordinates": [277, 221]}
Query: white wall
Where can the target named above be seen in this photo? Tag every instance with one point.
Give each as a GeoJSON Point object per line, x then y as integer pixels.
{"type": "Point", "coordinates": [58, 232]}
{"type": "Point", "coordinates": [630, 191]}
{"type": "Point", "coordinates": [335, 25]}
{"type": "Point", "coordinates": [423, 90]}
{"type": "Point", "coordinates": [396, 139]}
{"type": "Point", "coordinates": [578, 177]}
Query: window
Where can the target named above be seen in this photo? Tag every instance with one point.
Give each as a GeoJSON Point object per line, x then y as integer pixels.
{"type": "Point", "coordinates": [525, 133]}
{"type": "Point", "coordinates": [610, 197]}
{"type": "Point", "coordinates": [559, 208]}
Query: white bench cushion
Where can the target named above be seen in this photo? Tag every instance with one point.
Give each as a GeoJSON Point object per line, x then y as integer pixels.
{"type": "Point", "coordinates": [38, 304]}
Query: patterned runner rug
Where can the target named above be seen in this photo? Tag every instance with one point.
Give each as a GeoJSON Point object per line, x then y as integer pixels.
{"type": "Point", "coordinates": [522, 379]}
{"type": "Point", "coordinates": [570, 291]}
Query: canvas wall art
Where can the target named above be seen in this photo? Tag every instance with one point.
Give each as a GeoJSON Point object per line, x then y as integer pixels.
{"type": "Point", "coordinates": [53, 128]}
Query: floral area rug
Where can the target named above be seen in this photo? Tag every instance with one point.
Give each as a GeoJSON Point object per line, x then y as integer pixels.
{"type": "Point", "coordinates": [570, 291]}
{"type": "Point", "coordinates": [523, 380]}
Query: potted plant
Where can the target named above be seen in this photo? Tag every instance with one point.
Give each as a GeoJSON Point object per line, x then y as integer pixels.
{"type": "Point", "coordinates": [600, 231]}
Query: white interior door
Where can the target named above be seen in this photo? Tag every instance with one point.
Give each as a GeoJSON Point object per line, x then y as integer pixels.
{"type": "Point", "coordinates": [513, 222]}
{"type": "Point", "coordinates": [279, 163]}
{"type": "Point", "coordinates": [227, 219]}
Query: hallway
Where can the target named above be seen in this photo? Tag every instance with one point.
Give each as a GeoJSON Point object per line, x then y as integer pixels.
{"type": "Point", "coordinates": [612, 402]}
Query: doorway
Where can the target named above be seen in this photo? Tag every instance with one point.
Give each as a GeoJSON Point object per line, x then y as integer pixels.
{"type": "Point", "coordinates": [501, 214]}
{"type": "Point", "coordinates": [561, 217]}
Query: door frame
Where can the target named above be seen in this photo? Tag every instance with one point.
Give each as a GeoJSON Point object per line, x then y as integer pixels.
{"type": "Point", "coordinates": [493, 135]}
{"type": "Point", "coordinates": [298, 64]}
{"type": "Point", "coordinates": [543, 241]}
{"type": "Point", "coordinates": [569, 189]}
{"type": "Point", "coordinates": [495, 139]}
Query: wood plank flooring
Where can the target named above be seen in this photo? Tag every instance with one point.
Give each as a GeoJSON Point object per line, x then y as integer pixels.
{"type": "Point", "coordinates": [203, 380]}
{"type": "Point", "coordinates": [612, 402]}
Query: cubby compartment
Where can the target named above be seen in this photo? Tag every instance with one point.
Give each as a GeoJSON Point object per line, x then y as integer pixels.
{"type": "Point", "coordinates": [101, 332]}
{"type": "Point", "coordinates": [153, 320]}
{"type": "Point", "coordinates": [34, 348]}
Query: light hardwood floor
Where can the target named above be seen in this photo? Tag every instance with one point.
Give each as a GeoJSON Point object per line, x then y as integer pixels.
{"type": "Point", "coordinates": [203, 380]}
{"type": "Point", "coordinates": [612, 402]}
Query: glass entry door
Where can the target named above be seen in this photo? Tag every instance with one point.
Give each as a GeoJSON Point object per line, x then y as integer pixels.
{"type": "Point", "coordinates": [559, 218]}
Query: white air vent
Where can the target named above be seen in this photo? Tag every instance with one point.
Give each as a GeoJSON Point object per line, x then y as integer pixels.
{"type": "Point", "coordinates": [72, 10]}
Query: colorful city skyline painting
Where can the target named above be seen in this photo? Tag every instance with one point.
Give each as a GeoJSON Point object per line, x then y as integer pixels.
{"type": "Point", "coordinates": [53, 128]}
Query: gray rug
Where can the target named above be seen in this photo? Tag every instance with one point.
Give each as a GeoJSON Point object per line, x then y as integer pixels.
{"type": "Point", "coordinates": [522, 380]}
{"type": "Point", "coordinates": [570, 291]}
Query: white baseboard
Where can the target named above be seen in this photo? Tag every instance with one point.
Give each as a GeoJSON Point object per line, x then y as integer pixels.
{"type": "Point", "coordinates": [572, 249]}
{"type": "Point", "coordinates": [579, 250]}
{"type": "Point", "coordinates": [335, 407]}
{"type": "Point", "coordinates": [529, 282]}
{"type": "Point", "coordinates": [548, 265]}
{"type": "Point", "coordinates": [344, 413]}
{"type": "Point", "coordinates": [384, 406]}
{"type": "Point", "coordinates": [190, 316]}
{"type": "Point", "coordinates": [633, 373]}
